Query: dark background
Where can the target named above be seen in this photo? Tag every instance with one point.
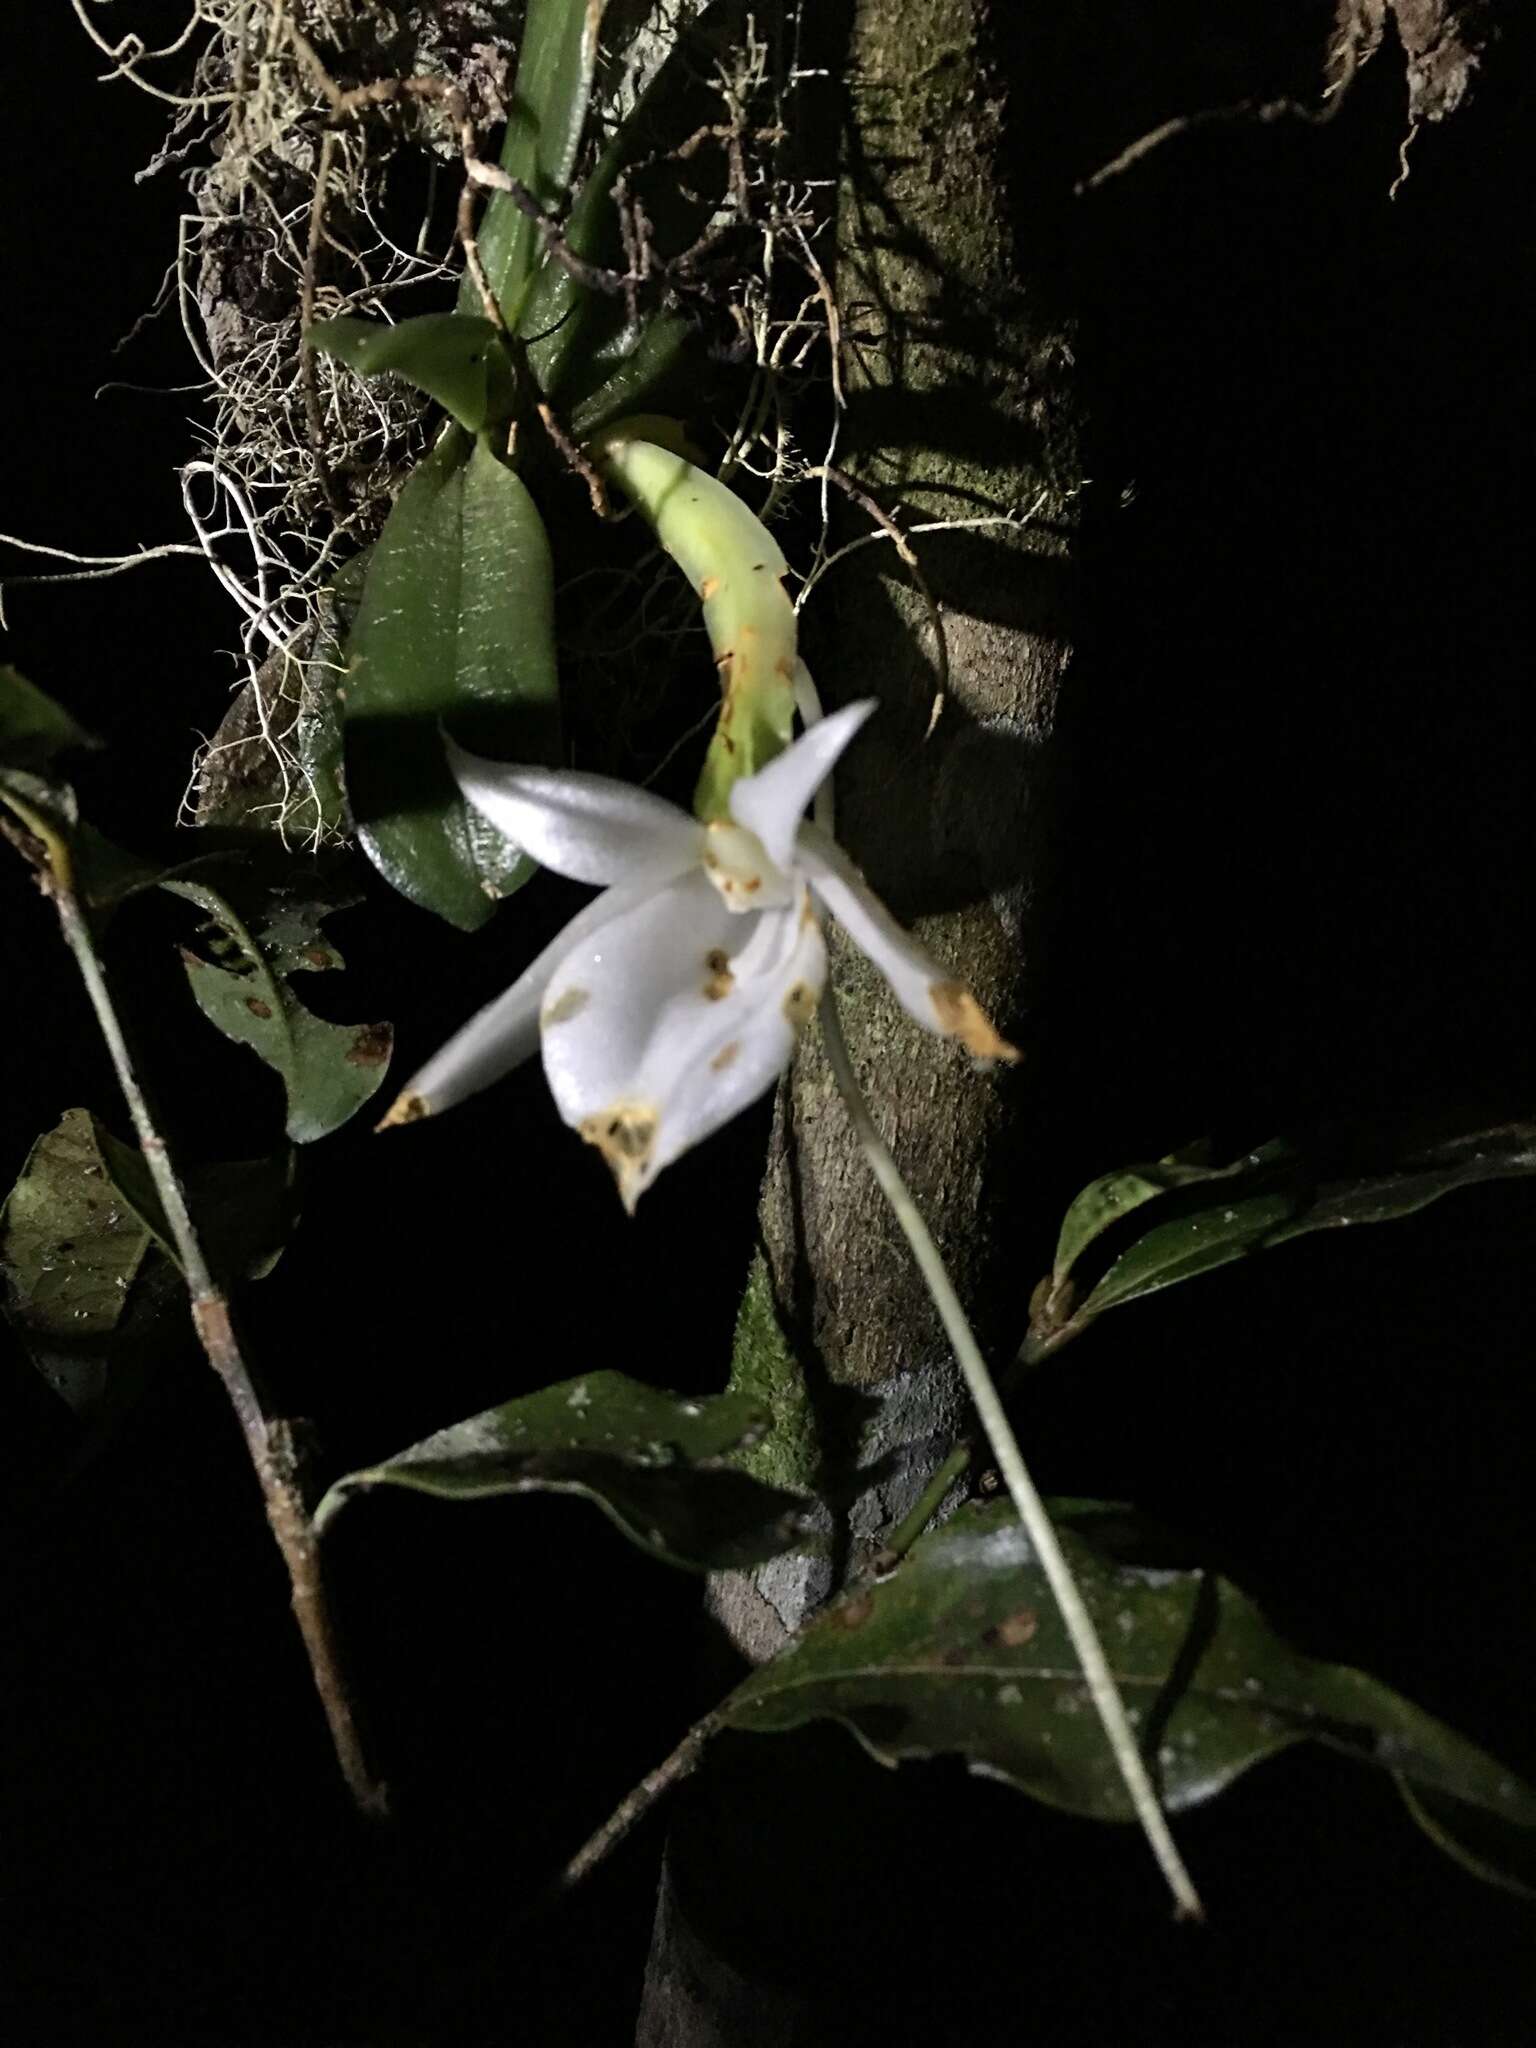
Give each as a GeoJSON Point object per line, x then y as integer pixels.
{"type": "Point", "coordinates": [1289, 891]}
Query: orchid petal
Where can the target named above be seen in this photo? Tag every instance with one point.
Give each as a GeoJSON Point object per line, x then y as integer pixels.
{"type": "Point", "coordinates": [772, 802]}
{"type": "Point", "coordinates": [925, 990]}
{"type": "Point", "coordinates": [506, 1032]}
{"type": "Point", "coordinates": [664, 1026]}
{"type": "Point", "coordinates": [588, 827]}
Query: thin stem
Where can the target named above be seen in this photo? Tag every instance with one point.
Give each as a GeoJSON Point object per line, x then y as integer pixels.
{"type": "Point", "coordinates": [267, 1443]}
{"type": "Point", "coordinates": [633, 1808]}
{"type": "Point", "coordinates": [1102, 1689]}
{"type": "Point", "coordinates": [926, 1506]}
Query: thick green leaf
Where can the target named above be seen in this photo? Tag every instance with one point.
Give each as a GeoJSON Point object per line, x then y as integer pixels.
{"type": "Point", "coordinates": [962, 1652]}
{"type": "Point", "coordinates": [78, 1278]}
{"type": "Point", "coordinates": [456, 629]}
{"type": "Point", "coordinates": [258, 935]}
{"type": "Point", "coordinates": [579, 345]}
{"type": "Point", "coordinates": [32, 727]}
{"type": "Point", "coordinates": [655, 1463]}
{"type": "Point", "coordinates": [544, 124]}
{"type": "Point", "coordinates": [1103, 1202]}
{"type": "Point", "coordinates": [1132, 1233]}
{"type": "Point", "coordinates": [457, 358]}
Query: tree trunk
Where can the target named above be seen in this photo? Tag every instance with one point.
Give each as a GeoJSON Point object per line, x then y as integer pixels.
{"type": "Point", "coordinates": [956, 411]}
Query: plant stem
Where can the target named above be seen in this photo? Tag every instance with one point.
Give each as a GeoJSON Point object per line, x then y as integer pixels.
{"type": "Point", "coordinates": [633, 1808]}
{"type": "Point", "coordinates": [926, 1506]}
{"type": "Point", "coordinates": [266, 1442]}
{"type": "Point", "coordinates": [1102, 1689]}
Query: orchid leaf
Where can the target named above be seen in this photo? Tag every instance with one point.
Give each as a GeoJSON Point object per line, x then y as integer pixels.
{"type": "Point", "coordinates": [1134, 1232]}
{"type": "Point", "coordinates": [555, 63]}
{"type": "Point", "coordinates": [457, 358]}
{"type": "Point", "coordinates": [455, 630]}
{"type": "Point", "coordinates": [581, 346]}
{"type": "Point", "coordinates": [962, 1652]}
{"type": "Point", "coordinates": [33, 728]}
{"type": "Point", "coordinates": [657, 1464]}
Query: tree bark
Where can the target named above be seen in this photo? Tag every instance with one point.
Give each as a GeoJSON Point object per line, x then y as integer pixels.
{"type": "Point", "coordinates": [957, 409]}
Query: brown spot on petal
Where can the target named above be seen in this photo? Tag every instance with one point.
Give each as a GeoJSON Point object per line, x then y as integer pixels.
{"type": "Point", "coordinates": [753, 882]}
{"type": "Point", "coordinates": [317, 956]}
{"type": "Point", "coordinates": [725, 1056]}
{"type": "Point", "coordinates": [405, 1109]}
{"type": "Point", "coordinates": [257, 1007]}
{"type": "Point", "coordinates": [721, 980]}
{"type": "Point", "coordinates": [961, 1016]}
{"type": "Point", "coordinates": [799, 1004]}
{"type": "Point", "coordinates": [624, 1135]}
{"type": "Point", "coordinates": [565, 1007]}
{"type": "Point", "coordinates": [708, 587]}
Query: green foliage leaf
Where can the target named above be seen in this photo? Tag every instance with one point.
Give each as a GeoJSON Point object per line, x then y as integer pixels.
{"type": "Point", "coordinates": [962, 1652]}
{"type": "Point", "coordinates": [1144, 1228]}
{"type": "Point", "coordinates": [580, 346]}
{"type": "Point", "coordinates": [455, 628]}
{"type": "Point", "coordinates": [544, 125]}
{"type": "Point", "coordinates": [655, 1463]}
{"type": "Point", "coordinates": [457, 358]}
{"type": "Point", "coordinates": [259, 933]}
{"type": "Point", "coordinates": [77, 1268]}
{"type": "Point", "coordinates": [33, 729]}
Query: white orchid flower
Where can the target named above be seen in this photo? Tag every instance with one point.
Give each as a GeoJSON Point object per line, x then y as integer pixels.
{"type": "Point", "coordinates": [674, 1000]}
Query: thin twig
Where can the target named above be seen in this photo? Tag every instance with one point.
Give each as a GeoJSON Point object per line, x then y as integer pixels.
{"type": "Point", "coordinates": [633, 1808]}
{"type": "Point", "coordinates": [575, 459]}
{"type": "Point", "coordinates": [904, 548]}
{"type": "Point", "coordinates": [267, 1442]}
{"type": "Point", "coordinates": [1263, 113]}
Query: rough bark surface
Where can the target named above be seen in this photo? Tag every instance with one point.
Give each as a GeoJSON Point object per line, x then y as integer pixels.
{"type": "Point", "coordinates": [954, 412]}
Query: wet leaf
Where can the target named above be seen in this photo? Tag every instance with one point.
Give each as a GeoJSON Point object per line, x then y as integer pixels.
{"type": "Point", "coordinates": [457, 358]}
{"type": "Point", "coordinates": [962, 1652]}
{"type": "Point", "coordinates": [544, 124]}
{"type": "Point", "coordinates": [1134, 1232]}
{"type": "Point", "coordinates": [77, 1269]}
{"type": "Point", "coordinates": [33, 729]}
{"type": "Point", "coordinates": [655, 1463]}
{"type": "Point", "coordinates": [456, 629]}
{"type": "Point", "coordinates": [258, 934]}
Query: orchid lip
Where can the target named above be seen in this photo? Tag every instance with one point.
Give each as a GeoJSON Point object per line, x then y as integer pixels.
{"type": "Point", "coordinates": [739, 865]}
